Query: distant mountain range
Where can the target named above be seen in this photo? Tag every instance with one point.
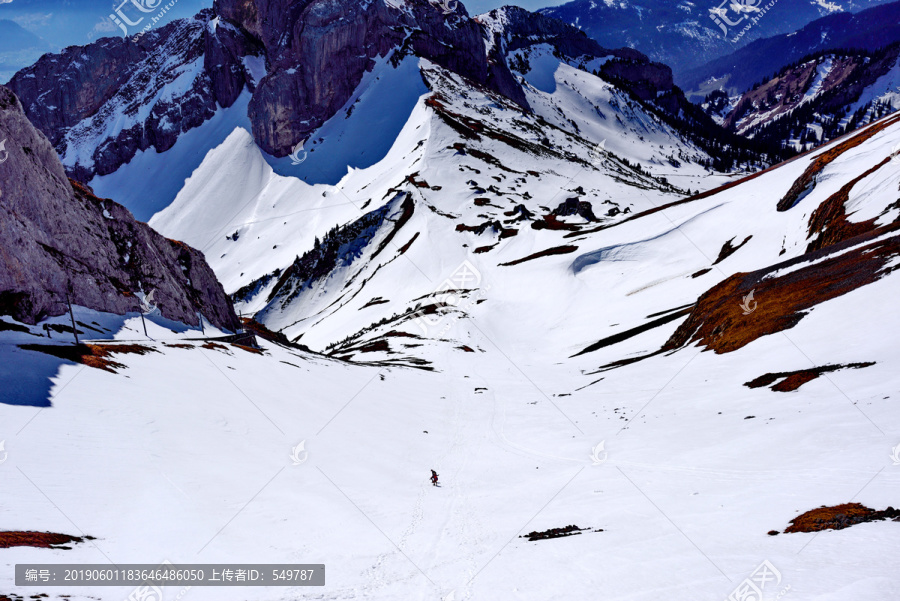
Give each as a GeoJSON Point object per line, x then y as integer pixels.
{"type": "Point", "coordinates": [683, 35]}
{"type": "Point", "coordinates": [18, 48]}
{"type": "Point", "coordinates": [13, 37]}
{"type": "Point", "coordinates": [871, 29]}
{"type": "Point", "coordinates": [814, 100]}
{"type": "Point", "coordinates": [182, 76]}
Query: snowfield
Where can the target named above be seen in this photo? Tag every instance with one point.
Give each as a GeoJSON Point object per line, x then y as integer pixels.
{"type": "Point", "coordinates": [190, 453]}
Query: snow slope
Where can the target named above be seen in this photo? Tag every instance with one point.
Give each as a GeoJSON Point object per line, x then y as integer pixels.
{"type": "Point", "coordinates": [685, 487]}
{"type": "Point", "coordinates": [486, 366]}
{"type": "Point", "coordinates": [276, 218]}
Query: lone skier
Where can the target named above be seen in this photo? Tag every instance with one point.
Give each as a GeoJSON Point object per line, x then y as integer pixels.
{"type": "Point", "coordinates": [434, 478]}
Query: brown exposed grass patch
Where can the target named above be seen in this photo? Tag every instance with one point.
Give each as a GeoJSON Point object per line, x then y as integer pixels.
{"type": "Point", "coordinates": [829, 221]}
{"type": "Point", "coordinates": [418, 183]}
{"type": "Point", "coordinates": [177, 345]}
{"type": "Point", "coordinates": [92, 355]}
{"type": "Point", "coordinates": [214, 346]}
{"type": "Point", "coordinates": [551, 222]}
{"type": "Point", "coordinates": [718, 322]}
{"type": "Point", "coordinates": [839, 517]}
{"type": "Point", "coordinates": [406, 246]}
{"type": "Point", "coordinates": [249, 349]}
{"type": "Point", "coordinates": [257, 329]}
{"type": "Point", "coordinates": [792, 380]}
{"type": "Point", "coordinates": [559, 250]}
{"type": "Point", "coordinates": [806, 181]}
{"type": "Point", "coordinates": [42, 540]}
{"type": "Point", "coordinates": [496, 226]}
{"type": "Point", "coordinates": [6, 326]}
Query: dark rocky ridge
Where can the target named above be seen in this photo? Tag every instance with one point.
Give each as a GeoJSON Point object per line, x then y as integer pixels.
{"type": "Point", "coordinates": [118, 77]}
{"type": "Point", "coordinates": [318, 52]}
{"type": "Point", "coordinates": [57, 238]}
{"type": "Point", "coordinates": [315, 54]}
{"type": "Point", "coordinates": [512, 28]}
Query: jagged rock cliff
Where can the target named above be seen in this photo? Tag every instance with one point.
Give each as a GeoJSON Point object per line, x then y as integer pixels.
{"type": "Point", "coordinates": [100, 104]}
{"type": "Point", "coordinates": [318, 52]}
{"type": "Point", "coordinates": [302, 60]}
{"type": "Point", "coordinates": [58, 239]}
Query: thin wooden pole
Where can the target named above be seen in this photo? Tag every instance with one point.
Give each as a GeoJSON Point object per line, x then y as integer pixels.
{"type": "Point", "coordinates": [72, 315]}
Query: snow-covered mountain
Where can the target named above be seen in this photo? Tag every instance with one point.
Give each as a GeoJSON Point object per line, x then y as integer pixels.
{"type": "Point", "coordinates": [687, 34]}
{"type": "Point", "coordinates": [141, 115]}
{"type": "Point", "coordinates": [869, 30]}
{"type": "Point", "coordinates": [635, 359]}
{"type": "Point", "coordinates": [814, 100]}
{"type": "Point", "coordinates": [570, 390]}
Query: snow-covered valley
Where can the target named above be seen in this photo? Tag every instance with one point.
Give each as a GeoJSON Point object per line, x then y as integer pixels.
{"type": "Point", "coordinates": [562, 310]}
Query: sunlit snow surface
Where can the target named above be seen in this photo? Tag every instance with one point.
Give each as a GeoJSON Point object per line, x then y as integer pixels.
{"type": "Point", "coordinates": [185, 455]}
